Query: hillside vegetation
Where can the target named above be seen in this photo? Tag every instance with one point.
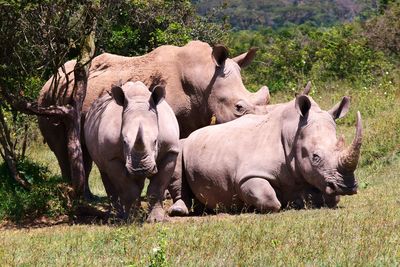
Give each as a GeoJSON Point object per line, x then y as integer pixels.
{"type": "Point", "coordinates": [252, 14]}
{"type": "Point", "coordinates": [357, 59]}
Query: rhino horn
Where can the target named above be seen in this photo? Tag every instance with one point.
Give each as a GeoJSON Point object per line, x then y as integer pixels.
{"type": "Point", "coordinates": [349, 158]}
{"type": "Point", "coordinates": [139, 143]}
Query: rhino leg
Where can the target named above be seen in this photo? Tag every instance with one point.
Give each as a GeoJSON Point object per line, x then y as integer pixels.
{"type": "Point", "coordinates": [157, 186]}
{"type": "Point", "coordinates": [180, 191]}
{"type": "Point", "coordinates": [111, 192]}
{"type": "Point", "coordinates": [123, 191]}
{"type": "Point", "coordinates": [54, 134]}
{"type": "Point", "coordinates": [258, 193]}
{"type": "Point", "coordinates": [87, 163]}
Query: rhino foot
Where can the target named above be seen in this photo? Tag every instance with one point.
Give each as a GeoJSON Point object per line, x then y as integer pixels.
{"type": "Point", "coordinates": [178, 209]}
{"type": "Point", "coordinates": [156, 215]}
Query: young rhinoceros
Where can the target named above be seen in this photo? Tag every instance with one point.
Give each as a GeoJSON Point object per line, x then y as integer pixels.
{"type": "Point", "coordinates": [268, 161]}
{"type": "Point", "coordinates": [131, 135]}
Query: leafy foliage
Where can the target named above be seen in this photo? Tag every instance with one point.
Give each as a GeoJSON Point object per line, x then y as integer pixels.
{"type": "Point", "coordinates": [46, 197]}
{"type": "Point", "coordinates": [291, 56]}
{"type": "Point", "coordinates": [136, 27]}
{"type": "Point", "coordinates": [253, 14]}
{"type": "Point", "coordinates": [382, 32]}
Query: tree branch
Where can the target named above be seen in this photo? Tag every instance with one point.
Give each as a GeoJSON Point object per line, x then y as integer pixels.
{"type": "Point", "coordinates": [32, 108]}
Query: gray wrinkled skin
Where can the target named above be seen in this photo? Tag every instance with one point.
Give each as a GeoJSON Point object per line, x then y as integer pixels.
{"type": "Point", "coordinates": [131, 135]}
{"type": "Point", "coordinates": [268, 161]}
{"type": "Point", "coordinates": [201, 82]}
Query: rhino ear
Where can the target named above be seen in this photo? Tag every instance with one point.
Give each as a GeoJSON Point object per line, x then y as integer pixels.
{"type": "Point", "coordinates": [118, 95]}
{"type": "Point", "coordinates": [220, 54]}
{"type": "Point", "coordinates": [158, 94]}
{"type": "Point", "coordinates": [340, 109]}
{"type": "Point", "coordinates": [245, 59]}
{"type": "Point", "coordinates": [303, 105]}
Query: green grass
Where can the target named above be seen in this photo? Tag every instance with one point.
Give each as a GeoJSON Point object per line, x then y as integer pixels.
{"type": "Point", "coordinates": [42, 154]}
{"type": "Point", "coordinates": [363, 231]}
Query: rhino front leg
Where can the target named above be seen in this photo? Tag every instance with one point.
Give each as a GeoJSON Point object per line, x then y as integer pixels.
{"type": "Point", "coordinates": [258, 193]}
{"type": "Point", "coordinates": [111, 191]}
{"type": "Point", "coordinates": [319, 199]}
{"type": "Point", "coordinates": [179, 189]}
{"type": "Point", "coordinates": [157, 186]}
{"type": "Point", "coordinates": [123, 191]}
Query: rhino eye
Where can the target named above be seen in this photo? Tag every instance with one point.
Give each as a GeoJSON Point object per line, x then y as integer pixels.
{"type": "Point", "coordinates": [239, 107]}
{"type": "Point", "coordinates": [316, 159]}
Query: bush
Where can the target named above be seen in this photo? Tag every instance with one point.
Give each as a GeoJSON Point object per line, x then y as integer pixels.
{"type": "Point", "coordinates": [137, 27]}
{"type": "Point", "coordinates": [382, 32]}
{"type": "Point", "coordinates": [291, 56]}
{"type": "Point", "coordinates": [45, 198]}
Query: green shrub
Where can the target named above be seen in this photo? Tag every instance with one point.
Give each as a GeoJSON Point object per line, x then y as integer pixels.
{"type": "Point", "coordinates": [46, 197]}
{"type": "Point", "coordinates": [289, 57]}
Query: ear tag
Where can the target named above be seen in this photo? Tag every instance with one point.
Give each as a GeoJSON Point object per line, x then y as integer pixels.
{"type": "Point", "coordinates": [213, 120]}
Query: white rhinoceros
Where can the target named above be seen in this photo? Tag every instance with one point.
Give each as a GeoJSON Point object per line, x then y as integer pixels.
{"type": "Point", "coordinates": [201, 82]}
{"type": "Point", "coordinates": [268, 161]}
{"type": "Point", "coordinates": [131, 135]}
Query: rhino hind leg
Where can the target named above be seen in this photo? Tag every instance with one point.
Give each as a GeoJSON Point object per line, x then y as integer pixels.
{"type": "Point", "coordinates": [88, 164]}
{"type": "Point", "coordinates": [258, 193]}
{"type": "Point", "coordinates": [54, 134]}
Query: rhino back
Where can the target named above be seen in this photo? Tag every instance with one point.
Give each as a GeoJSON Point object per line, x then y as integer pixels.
{"type": "Point", "coordinates": [106, 70]}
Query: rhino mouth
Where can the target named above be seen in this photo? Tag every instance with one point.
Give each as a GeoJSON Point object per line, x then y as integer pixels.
{"type": "Point", "coordinates": [141, 172]}
{"type": "Point", "coordinates": [140, 166]}
{"type": "Point", "coordinates": [335, 188]}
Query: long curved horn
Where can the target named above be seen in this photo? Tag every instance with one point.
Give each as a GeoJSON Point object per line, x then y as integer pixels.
{"type": "Point", "coordinates": [348, 160]}
{"type": "Point", "coordinates": [139, 144]}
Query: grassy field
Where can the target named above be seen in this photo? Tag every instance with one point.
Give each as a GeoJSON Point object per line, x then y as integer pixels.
{"type": "Point", "coordinates": [363, 231]}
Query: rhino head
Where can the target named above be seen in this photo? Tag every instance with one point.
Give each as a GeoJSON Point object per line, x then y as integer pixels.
{"type": "Point", "coordinates": [214, 84]}
{"type": "Point", "coordinates": [322, 159]}
{"type": "Point", "coordinates": [229, 99]}
{"type": "Point", "coordinates": [139, 130]}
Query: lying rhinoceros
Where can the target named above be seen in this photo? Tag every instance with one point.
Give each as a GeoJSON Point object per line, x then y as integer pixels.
{"type": "Point", "coordinates": [267, 161]}
{"type": "Point", "coordinates": [201, 82]}
{"type": "Point", "coordinates": [131, 135]}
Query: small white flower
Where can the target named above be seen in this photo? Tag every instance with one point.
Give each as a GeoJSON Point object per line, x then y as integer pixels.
{"type": "Point", "coordinates": [387, 73]}
{"type": "Point", "coordinates": [156, 249]}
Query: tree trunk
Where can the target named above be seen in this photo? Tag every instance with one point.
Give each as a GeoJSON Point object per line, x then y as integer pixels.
{"type": "Point", "coordinates": [8, 153]}
{"type": "Point", "coordinates": [81, 72]}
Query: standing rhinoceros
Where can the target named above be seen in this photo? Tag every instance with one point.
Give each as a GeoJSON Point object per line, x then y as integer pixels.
{"type": "Point", "coordinates": [267, 161]}
{"type": "Point", "coordinates": [201, 82]}
{"type": "Point", "coordinates": [131, 135]}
